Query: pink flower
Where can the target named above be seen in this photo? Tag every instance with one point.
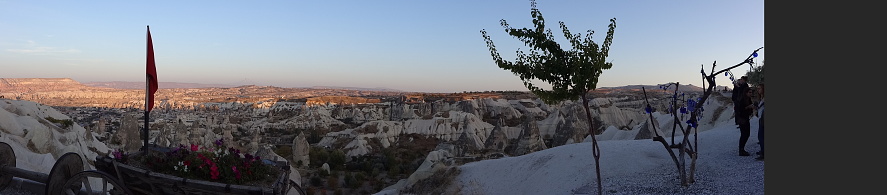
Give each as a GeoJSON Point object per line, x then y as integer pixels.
{"type": "Point", "coordinates": [236, 173]}
{"type": "Point", "coordinates": [194, 147]}
{"type": "Point", "coordinates": [214, 172]}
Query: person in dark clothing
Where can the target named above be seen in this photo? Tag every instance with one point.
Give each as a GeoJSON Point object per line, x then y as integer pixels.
{"type": "Point", "coordinates": [743, 118]}
{"type": "Point", "coordinates": [761, 121]}
{"type": "Point", "coordinates": [740, 87]}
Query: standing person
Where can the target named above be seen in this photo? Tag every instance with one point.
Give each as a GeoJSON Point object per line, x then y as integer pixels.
{"type": "Point", "coordinates": [761, 122]}
{"type": "Point", "coordinates": [743, 117]}
{"type": "Point", "coordinates": [739, 89]}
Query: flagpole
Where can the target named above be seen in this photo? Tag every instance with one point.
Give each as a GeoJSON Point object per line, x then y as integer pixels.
{"type": "Point", "coordinates": [148, 56]}
{"type": "Point", "coordinates": [147, 113]}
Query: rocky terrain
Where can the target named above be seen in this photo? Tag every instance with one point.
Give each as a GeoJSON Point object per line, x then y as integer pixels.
{"type": "Point", "coordinates": [69, 93]}
{"type": "Point", "coordinates": [47, 134]}
{"type": "Point", "coordinates": [333, 134]}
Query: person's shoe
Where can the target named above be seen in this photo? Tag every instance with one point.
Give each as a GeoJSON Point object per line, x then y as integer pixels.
{"type": "Point", "coordinates": [760, 158]}
{"type": "Point", "coordinates": [743, 153]}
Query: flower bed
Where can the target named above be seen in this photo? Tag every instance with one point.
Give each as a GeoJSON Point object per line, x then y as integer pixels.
{"type": "Point", "coordinates": [213, 164]}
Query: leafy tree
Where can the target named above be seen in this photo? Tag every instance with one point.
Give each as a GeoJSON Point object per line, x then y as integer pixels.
{"type": "Point", "coordinates": [351, 181]}
{"type": "Point", "coordinates": [317, 156]}
{"type": "Point", "coordinates": [571, 73]}
{"type": "Point", "coordinates": [755, 75]}
{"type": "Point", "coordinates": [337, 159]}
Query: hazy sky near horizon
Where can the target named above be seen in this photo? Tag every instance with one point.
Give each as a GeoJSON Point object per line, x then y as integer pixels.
{"type": "Point", "coordinates": [423, 46]}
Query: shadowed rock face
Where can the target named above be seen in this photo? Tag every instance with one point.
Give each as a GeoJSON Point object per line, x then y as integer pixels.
{"type": "Point", "coordinates": [530, 139]}
{"type": "Point", "coordinates": [500, 125]}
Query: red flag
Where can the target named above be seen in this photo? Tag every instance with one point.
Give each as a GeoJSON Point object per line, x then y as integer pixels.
{"type": "Point", "coordinates": [152, 74]}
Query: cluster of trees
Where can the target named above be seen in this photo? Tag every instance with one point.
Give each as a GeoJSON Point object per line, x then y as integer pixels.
{"type": "Point", "coordinates": [362, 174]}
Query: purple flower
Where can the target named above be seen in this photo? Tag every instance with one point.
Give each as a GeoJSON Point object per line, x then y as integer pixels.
{"type": "Point", "coordinates": [218, 142]}
{"type": "Point", "coordinates": [118, 154]}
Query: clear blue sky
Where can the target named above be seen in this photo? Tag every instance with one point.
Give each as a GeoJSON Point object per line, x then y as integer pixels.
{"type": "Point", "coordinates": [426, 46]}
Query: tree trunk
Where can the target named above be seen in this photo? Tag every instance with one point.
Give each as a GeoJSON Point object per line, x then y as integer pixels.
{"type": "Point", "coordinates": [596, 151]}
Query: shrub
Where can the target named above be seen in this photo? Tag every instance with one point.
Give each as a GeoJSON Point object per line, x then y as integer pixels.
{"type": "Point", "coordinates": [315, 181]}
{"type": "Point", "coordinates": [284, 151]}
{"type": "Point", "coordinates": [337, 159]}
{"type": "Point", "coordinates": [332, 182]}
{"type": "Point", "coordinates": [318, 156]}
{"type": "Point", "coordinates": [65, 123]}
{"type": "Point", "coordinates": [310, 191]}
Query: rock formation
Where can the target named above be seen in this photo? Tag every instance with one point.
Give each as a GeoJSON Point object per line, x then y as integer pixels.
{"type": "Point", "coordinates": [301, 150]}
{"type": "Point", "coordinates": [497, 140]}
{"type": "Point", "coordinates": [33, 141]}
{"type": "Point", "coordinates": [530, 139]}
{"type": "Point", "coordinates": [129, 136]}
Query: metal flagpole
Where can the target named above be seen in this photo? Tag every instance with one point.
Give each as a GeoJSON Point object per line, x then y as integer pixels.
{"type": "Point", "coordinates": [148, 55]}
{"type": "Point", "coordinates": [145, 131]}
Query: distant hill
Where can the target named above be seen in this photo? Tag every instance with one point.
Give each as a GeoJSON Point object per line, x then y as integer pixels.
{"type": "Point", "coordinates": [358, 88]}
{"type": "Point", "coordinates": [689, 87]}
{"type": "Point", "coordinates": [162, 85]}
{"type": "Point", "coordinates": [175, 85]}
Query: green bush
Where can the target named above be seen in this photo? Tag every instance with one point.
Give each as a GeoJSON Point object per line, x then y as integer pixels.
{"type": "Point", "coordinates": [65, 123]}
{"type": "Point", "coordinates": [284, 151]}
{"type": "Point", "coordinates": [351, 181]}
{"type": "Point", "coordinates": [318, 156]}
{"type": "Point", "coordinates": [337, 160]}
